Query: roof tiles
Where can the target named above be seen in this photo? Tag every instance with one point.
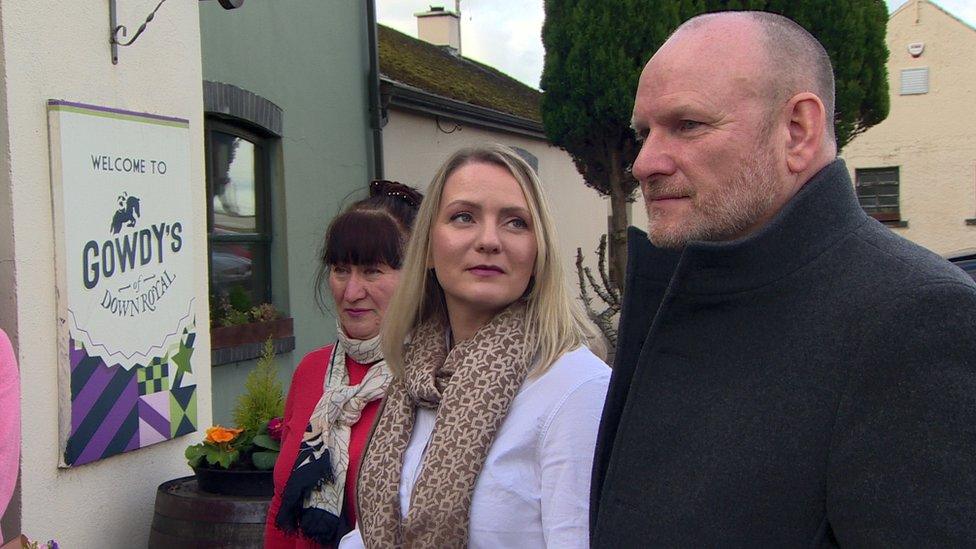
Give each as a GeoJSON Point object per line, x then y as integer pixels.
{"type": "Point", "coordinates": [437, 70]}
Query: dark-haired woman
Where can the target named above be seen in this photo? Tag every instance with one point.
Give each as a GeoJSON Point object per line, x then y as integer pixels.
{"type": "Point", "coordinates": [336, 390]}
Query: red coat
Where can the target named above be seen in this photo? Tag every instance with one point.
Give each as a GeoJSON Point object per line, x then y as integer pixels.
{"type": "Point", "coordinates": [303, 394]}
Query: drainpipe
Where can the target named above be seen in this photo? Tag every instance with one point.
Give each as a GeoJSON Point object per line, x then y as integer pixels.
{"type": "Point", "coordinates": [375, 107]}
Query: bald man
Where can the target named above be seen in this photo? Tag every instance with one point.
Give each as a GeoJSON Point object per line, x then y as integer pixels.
{"type": "Point", "coordinates": [789, 371]}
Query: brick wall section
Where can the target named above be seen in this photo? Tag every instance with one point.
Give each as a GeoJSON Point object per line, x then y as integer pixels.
{"type": "Point", "coordinates": [233, 101]}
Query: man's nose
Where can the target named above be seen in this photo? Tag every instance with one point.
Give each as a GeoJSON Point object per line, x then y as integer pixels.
{"type": "Point", "coordinates": [653, 159]}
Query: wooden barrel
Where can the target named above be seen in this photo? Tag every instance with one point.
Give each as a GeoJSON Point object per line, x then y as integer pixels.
{"type": "Point", "coordinates": [187, 517]}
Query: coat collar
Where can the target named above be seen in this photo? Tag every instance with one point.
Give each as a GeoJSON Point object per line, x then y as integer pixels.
{"type": "Point", "coordinates": [822, 212]}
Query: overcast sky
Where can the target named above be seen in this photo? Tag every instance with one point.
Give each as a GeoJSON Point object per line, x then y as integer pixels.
{"type": "Point", "coordinates": [506, 33]}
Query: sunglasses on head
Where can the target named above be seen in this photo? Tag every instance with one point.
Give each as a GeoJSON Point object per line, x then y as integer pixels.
{"type": "Point", "coordinates": [395, 189]}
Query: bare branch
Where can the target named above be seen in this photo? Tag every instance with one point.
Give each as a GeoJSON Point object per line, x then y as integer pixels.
{"type": "Point", "coordinates": [604, 289]}
{"type": "Point", "coordinates": [612, 289]}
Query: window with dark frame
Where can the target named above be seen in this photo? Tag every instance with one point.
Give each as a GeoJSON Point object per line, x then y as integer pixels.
{"type": "Point", "coordinates": [238, 212]}
{"type": "Point", "coordinates": [878, 192]}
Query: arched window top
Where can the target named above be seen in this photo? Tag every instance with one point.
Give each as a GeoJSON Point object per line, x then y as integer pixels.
{"type": "Point", "coordinates": [229, 100]}
{"type": "Point", "coordinates": [528, 157]}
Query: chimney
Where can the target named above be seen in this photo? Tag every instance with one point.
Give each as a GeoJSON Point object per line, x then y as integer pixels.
{"type": "Point", "coordinates": [440, 28]}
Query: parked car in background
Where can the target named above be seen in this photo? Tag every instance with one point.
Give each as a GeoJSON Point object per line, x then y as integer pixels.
{"type": "Point", "coordinates": [965, 260]}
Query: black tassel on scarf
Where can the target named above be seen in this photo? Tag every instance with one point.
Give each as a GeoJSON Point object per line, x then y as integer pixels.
{"type": "Point", "coordinates": [316, 524]}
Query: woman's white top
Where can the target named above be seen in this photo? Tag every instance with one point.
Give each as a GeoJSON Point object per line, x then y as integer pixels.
{"type": "Point", "coordinates": [534, 489]}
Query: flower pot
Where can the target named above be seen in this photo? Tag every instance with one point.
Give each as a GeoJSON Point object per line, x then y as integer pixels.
{"type": "Point", "coordinates": [235, 482]}
{"type": "Point", "coordinates": [254, 332]}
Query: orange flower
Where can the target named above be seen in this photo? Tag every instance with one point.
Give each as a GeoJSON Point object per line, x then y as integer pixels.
{"type": "Point", "coordinates": [218, 434]}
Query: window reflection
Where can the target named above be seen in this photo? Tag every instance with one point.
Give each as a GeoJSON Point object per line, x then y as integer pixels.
{"type": "Point", "coordinates": [238, 264]}
{"type": "Point", "coordinates": [238, 229]}
{"type": "Point", "coordinates": [234, 196]}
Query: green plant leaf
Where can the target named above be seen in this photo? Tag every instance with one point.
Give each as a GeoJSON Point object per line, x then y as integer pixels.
{"type": "Point", "coordinates": [265, 441]}
{"type": "Point", "coordinates": [226, 459]}
{"type": "Point", "coordinates": [194, 455]}
{"type": "Point", "coordinates": [239, 299]}
{"type": "Point", "coordinates": [194, 451]}
{"type": "Point", "coordinates": [244, 441]}
{"type": "Point", "coordinates": [212, 454]}
{"type": "Point", "coordinates": [216, 456]}
{"type": "Point", "coordinates": [264, 460]}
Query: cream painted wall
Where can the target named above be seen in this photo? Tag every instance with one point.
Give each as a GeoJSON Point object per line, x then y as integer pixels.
{"type": "Point", "coordinates": [414, 147]}
{"type": "Point", "coordinates": [930, 137]}
{"type": "Point", "coordinates": [60, 50]}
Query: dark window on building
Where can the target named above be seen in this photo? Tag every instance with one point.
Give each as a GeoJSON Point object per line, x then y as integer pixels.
{"type": "Point", "coordinates": [238, 224]}
{"type": "Point", "coordinates": [877, 191]}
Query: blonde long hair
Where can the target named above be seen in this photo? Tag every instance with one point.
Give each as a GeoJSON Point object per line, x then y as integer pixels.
{"type": "Point", "coordinates": [556, 320]}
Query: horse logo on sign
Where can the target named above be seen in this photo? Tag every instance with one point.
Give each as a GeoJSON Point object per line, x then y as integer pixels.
{"type": "Point", "coordinates": [126, 214]}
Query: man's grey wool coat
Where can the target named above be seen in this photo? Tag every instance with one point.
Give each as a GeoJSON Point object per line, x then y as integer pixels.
{"type": "Point", "coordinates": [812, 384]}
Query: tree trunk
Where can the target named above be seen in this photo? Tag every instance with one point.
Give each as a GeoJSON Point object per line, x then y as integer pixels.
{"type": "Point", "coordinates": [618, 234]}
{"type": "Point", "coordinates": [618, 220]}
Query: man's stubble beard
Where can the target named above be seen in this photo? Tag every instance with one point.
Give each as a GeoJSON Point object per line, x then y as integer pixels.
{"type": "Point", "coordinates": [736, 206]}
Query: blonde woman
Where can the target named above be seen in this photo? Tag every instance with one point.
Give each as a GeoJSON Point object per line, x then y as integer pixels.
{"type": "Point", "coordinates": [487, 432]}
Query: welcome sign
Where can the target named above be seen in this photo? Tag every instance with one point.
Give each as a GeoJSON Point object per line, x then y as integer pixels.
{"type": "Point", "coordinates": [123, 219]}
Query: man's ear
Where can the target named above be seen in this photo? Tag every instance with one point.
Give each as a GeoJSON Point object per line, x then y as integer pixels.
{"type": "Point", "coordinates": [807, 124]}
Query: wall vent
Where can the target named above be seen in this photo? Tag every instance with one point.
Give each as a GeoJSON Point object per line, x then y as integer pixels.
{"type": "Point", "coordinates": [914, 81]}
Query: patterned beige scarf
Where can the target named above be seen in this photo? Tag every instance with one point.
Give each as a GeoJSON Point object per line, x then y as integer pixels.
{"type": "Point", "coordinates": [471, 387]}
{"type": "Point", "coordinates": [313, 496]}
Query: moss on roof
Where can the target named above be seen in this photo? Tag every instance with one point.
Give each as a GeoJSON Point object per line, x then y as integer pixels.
{"type": "Point", "coordinates": [436, 70]}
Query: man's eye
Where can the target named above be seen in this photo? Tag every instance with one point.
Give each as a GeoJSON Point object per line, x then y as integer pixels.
{"type": "Point", "coordinates": [688, 125]}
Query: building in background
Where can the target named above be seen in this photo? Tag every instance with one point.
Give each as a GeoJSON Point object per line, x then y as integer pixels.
{"type": "Point", "coordinates": [60, 51]}
{"type": "Point", "coordinates": [916, 171]}
{"type": "Point", "coordinates": [282, 107]}
{"type": "Point", "coordinates": [286, 117]}
{"type": "Point", "coordinates": [292, 131]}
{"type": "Point", "coordinates": [435, 101]}
{"type": "Point", "coordinates": [271, 105]}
